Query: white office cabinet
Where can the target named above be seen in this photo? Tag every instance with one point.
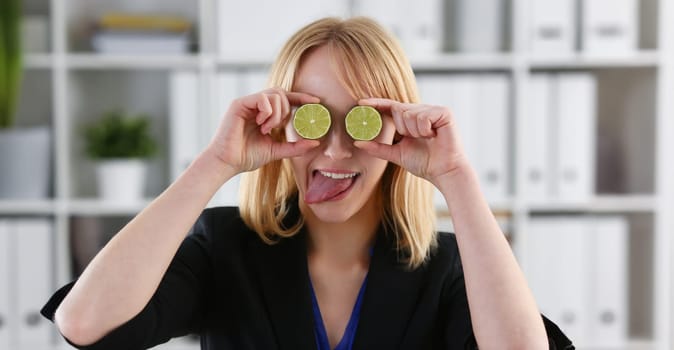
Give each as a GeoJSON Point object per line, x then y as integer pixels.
{"type": "Point", "coordinates": [609, 26]}
{"type": "Point", "coordinates": [69, 85]}
{"type": "Point", "coordinates": [553, 26]}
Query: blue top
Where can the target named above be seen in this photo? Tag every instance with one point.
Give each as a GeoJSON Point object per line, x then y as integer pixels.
{"type": "Point", "coordinates": [349, 333]}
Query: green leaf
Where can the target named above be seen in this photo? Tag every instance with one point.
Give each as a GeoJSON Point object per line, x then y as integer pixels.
{"type": "Point", "coordinates": [117, 135]}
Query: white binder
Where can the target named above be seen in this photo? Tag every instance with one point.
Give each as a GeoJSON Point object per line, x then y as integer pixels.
{"type": "Point", "coordinates": [480, 25]}
{"type": "Point", "coordinates": [575, 122]}
{"type": "Point", "coordinates": [7, 321]}
{"type": "Point", "coordinates": [422, 27]}
{"type": "Point", "coordinates": [557, 273]}
{"type": "Point", "coordinates": [553, 26]}
{"type": "Point", "coordinates": [184, 117]}
{"type": "Point", "coordinates": [458, 92]}
{"type": "Point", "coordinates": [493, 136]}
{"type": "Point", "coordinates": [536, 134]}
{"type": "Point", "coordinates": [389, 13]}
{"type": "Point", "coordinates": [33, 281]}
{"type": "Point", "coordinates": [608, 319]}
{"type": "Point", "coordinates": [256, 29]}
{"type": "Point", "coordinates": [609, 26]}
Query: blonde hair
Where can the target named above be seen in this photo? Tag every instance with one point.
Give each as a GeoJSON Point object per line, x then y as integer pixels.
{"type": "Point", "coordinates": [373, 64]}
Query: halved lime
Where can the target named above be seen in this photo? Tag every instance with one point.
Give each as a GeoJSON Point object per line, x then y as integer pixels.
{"type": "Point", "coordinates": [312, 121]}
{"type": "Point", "coordinates": [363, 123]}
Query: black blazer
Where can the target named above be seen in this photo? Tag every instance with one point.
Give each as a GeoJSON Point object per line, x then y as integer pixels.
{"type": "Point", "coordinates": [240, 293]}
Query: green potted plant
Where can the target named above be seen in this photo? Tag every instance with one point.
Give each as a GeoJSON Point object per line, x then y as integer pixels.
{"type": "Point", "coordinates": [24, 152]}
{"type": "Point", "coordinates": [120, 143]}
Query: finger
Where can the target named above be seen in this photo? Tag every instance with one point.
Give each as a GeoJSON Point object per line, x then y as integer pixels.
{"type": "Point", "coordinates": [410, 119]}
{"type": "Point", "coordinates": [282, 150]}
{"type": "Point", "coordinates": [275, 119]}
{"type": "Point", "coordinates": [300, 98]}
{"type": "Point", "coordinates": [399, 124]}
{"type": "Point", "coordinates": [424, 124]}
{"type": "Point", "coordinates": [382, 104]}
{"type": "Point", "coordinates": [264, 107]}
{"type": "Point", "coordinates": [380, 150]}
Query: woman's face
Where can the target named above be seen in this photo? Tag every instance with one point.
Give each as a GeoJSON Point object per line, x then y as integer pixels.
{"type": "Point", "coordinates": [335, 180]}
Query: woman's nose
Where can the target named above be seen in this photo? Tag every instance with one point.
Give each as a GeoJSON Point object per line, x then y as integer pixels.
{"type": "Point", "coordinates": [338, 144]}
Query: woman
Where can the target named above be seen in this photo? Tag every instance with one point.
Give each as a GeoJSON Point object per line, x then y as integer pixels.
{"type": "Point", "coordinates": [334, 245]}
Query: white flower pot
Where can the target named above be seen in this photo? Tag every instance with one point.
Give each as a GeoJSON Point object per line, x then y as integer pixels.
{"type": "Point", "coordinates": [25, 159]}
{"type": "Point", "coordinates": [121, 180]}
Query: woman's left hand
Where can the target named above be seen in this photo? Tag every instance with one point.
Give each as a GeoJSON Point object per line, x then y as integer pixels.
{"type": "Point", "coordinates": [430, 146]}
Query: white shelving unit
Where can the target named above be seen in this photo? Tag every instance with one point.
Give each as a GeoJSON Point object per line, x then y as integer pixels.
{"type": "Point", "coordinates": [79, 85]}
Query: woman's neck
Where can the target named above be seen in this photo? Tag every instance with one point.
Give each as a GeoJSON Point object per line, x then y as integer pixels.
{"type": "Point", "coordinates": [345, 243]}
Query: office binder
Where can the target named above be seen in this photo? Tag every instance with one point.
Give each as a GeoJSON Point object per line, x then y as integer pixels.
{"type": "Point", "coordinates": [7, 320]}
{"type": "Point", "coordinates": [553, 27]}
{"type": "Point", "coordinates": [33, 281]}
{"type": "Point", "coordinates": [458, 93]}
{"type": "Point", "coordinates": [493, 136]}
{"type": "Point", "coordinates": [422, 32]}
{"type": "Point", "coordinates": [557, 259]}
{"type": "Point", "coordinates": [609, 27]}
{"type": "Point", "coordinates": [389, 13]}
{"type": "Point", "coordinates": [536, 134]}
{"type": "Point", "coordinates": [184, 124]}
{"type": "Point", "coordinates": [575, 122]}
{"type": "Point", "coordinates": [608, 319]}
{"type": "Point", "coordinates": [260, 37]}
{"type": "Point", "coordinates": [479, 25]}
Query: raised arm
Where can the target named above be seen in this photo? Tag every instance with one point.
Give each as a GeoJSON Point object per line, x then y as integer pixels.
{"type": "Point", "coordinates": [503, 311]}
{"type": "Point", "coordinates": [124, 275]}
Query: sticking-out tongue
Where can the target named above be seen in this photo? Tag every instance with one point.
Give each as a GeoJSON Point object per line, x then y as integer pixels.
{"type": "Point", "coordinates": [322, 188]}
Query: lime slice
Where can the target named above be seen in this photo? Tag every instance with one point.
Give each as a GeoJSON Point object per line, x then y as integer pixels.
{"type": "Point", "coordinates": [312, 121]}
{"type": "Point", "coordinates": [363, 123]}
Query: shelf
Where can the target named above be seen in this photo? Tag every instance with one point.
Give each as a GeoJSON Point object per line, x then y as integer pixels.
{"type": "Point", "coordinates": [102, 62]}
{"type": "Point", "coordinates": [649, 58]}
{"type": "Point", "coordinates": [102, 208]}
{"type": "Point", "coordinates": [448, 61]}
{"type": "Point", "coordinates": [27, 206]}
{"type": "Point", "coordinates": [601, 204]}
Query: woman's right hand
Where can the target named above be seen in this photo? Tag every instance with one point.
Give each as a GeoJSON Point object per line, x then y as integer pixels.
{"type": "Point", "coordinates": [243, 141]}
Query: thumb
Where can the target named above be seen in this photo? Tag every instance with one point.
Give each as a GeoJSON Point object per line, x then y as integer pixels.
{"type": "Point", "coordinates": [380, 150]}
{"type": "Point", "coordinates": [282, 150]}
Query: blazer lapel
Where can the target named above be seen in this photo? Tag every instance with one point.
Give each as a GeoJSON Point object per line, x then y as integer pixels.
{"type": "Point", "coordinates": [283, 274]}
{"type": "Point", "coordinates": [390, 298]}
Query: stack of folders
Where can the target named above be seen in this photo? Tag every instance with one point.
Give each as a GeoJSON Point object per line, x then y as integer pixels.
{"type": "Point", "coordinates": [578, 272]}
{"type": "Point", "coordinates": [259, 37]}
{"type": "Point", "coordinates": [120, 33]}
{"type": "Point", "coordinates": [559, 133]}
{"type": "Point", "coordinates": [600, 27]}
{"type": "Point", "coordinates": [476, 26]}
{"type": "Point", "coordinates": [25, 282]}
{"type": "Point", "coordinates": [189, 134]}
{"type": "Point", "coordinates": [480, 106]}
{"type": "Point", "coordinates": [417, 24]}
